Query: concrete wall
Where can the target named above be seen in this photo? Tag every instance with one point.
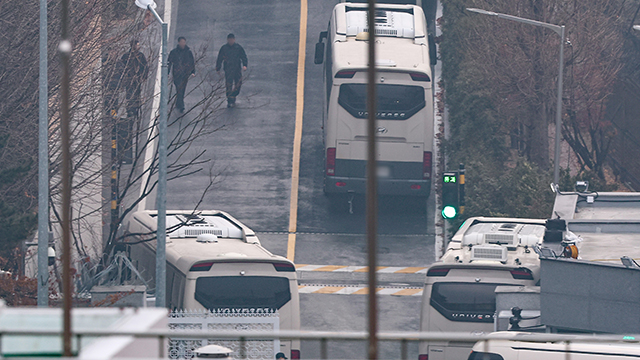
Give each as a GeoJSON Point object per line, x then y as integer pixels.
{"type": "Point", "coordinates": [580, 295]}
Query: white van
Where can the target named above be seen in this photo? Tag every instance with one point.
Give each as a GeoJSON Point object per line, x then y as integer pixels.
{"type": "Point", "coordinates": [405, 99]}
{"type": "Point", "coordinates": [459, 291]}
{"type": "Point", "coordinates": [216, 263]}
{"type": "Point", "coordinates": [515, 346]}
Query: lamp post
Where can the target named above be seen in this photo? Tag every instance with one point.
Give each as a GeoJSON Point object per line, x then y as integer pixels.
{"type": "Point", "coordinates": [558, 29]}
{"type": "Point", "coordinates": [161, 199]}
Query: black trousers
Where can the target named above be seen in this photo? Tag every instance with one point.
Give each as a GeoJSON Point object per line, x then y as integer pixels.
{"type": "Point", "coordinates": [181, 87]}
{"type": "Point", "coordinates": [234, 83]}
{"type": "Point", "coordinates": [133, 101]}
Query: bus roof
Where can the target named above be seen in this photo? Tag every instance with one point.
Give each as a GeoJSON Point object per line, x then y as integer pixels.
{"type": "Point", "coordinates": [401, 32]}
{"type": "Point", "coordinates": [486, 241]}
{"type": "Point", "coordinates": [209, 235]}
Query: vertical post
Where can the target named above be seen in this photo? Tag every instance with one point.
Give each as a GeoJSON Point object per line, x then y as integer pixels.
{"type": "Point", "coordinates": [243, 348]}
{"type": "Point", "coordinates": [556, 160]}
{"type": "Point", "coordinates": [372, 184]}
{"type": "Point", "coordinates": [43, 163]}
{"type": "Point", "coordinates": [115, 211]}
{"type": "Point", "coordinates": [323, 349]}
{"type": "Point", "coordinates": [161, 347]}
{"type": "Point", "coordinates": [461, 181]}
{"type": "Point", "coordinates": [65, 49]}
{"type": "Point", "coordinates": [161, 201]}
{"type": "Point", "coordinates": [403, 350]}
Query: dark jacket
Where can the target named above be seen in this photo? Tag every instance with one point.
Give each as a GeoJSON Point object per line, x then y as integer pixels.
{"type": "Point", "coordinates": [233, 57]}
{"type": "Point", "coordinates": [182, 62]}
{"type": "Point", "coordinates": [135, 69]}
{"type": "Point", "coordinates": [112, 72]}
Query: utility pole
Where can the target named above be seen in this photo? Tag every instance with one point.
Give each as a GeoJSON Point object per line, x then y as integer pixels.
{"type": "Point", "coordinates": [65, 48]}
{"type": "Point", "coordinates": [161, 199]}
{"type": "Point", "coordinates": [372, 185]}
{"type": "Point", "coordinates": [43, 162]}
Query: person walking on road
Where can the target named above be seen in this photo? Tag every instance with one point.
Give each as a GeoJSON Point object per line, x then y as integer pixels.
{"type": "Point", "coordinates": [234, 58]}
{"type": "Point", "coordinates": [183, 64]}
{"type": "Point", "coordinates": [134, 75]}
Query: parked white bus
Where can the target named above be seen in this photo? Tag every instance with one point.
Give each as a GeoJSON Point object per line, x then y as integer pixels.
{"type": "Point", "coordinates": [404, 99]}
{"type": "Point", "coordinates": [459, 291]}
{"type": "Point", "coordinates": [516, 346]}
{"type": "Point", "coordinates": [216, 263]}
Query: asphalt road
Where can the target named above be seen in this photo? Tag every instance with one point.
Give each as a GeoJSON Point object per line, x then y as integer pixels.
{"type": "Point", "coordinates": [252, 156]}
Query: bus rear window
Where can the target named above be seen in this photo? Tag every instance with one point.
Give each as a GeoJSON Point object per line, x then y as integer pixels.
{"type": "Point", "coordinates": [457, 301]}
{"type": "Point", "coordinates": [395, 102]}
{"type": "Point", "coordinates": [252, 292]}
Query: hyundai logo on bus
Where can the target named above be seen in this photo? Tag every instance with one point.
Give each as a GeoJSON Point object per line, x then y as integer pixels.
{"type": "Point", "coordinates": [381, 130]}
{"type": "Point", "coordinates": [384, 115]}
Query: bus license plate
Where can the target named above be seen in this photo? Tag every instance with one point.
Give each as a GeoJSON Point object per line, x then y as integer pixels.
{"type": "Point", "coordinates": [384, 171]}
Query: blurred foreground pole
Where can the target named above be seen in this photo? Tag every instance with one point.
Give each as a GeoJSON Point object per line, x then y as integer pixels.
{"type": "Point", "coordinates": [43, 163]}
{"type": "Point", "coordinates": [65, 48]}
{"type": "Point", "coordinates": [372, 185]}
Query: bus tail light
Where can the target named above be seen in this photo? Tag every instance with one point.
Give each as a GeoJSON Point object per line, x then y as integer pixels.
{"type": "Point", "coordinates": [423, 357]}
{"type": "Point", "coordinates": [419, 77]}
{"type": "Point", "coordinates": [426, 165]}
{"type": "Point", "coordinates": [202, 266]}
{"type": "Point", "coordinates": [284, 267]}
{"type": "Point", "coordinates": [438, 272]}
{"type": "Point", "coordinates": [331, 161]}
{"type": "Point", "coordinates": [345, 74]}
{"type": "Point", "coordinates": [522, 274]}
{"type": "Point", "coordinates": [295, 354]}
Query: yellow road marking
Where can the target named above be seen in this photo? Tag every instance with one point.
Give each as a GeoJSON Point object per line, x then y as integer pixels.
{"type": "Point", "coordinates": [330, 268]}
{"type": "Point", "coordinates": [297, 137]}
{"type": "Point", "coordinates": [407, 292]}
{"type": "Point", "coordinates": [291, 246]}
{"type": "Point", "coordinates": [365, 291]}
{"type": "Point", "coordinates": [366, 269]}
{"type": "Point", "coordinates": [410, 270]}
{"type": "Point", "coordinates": [329, 290]}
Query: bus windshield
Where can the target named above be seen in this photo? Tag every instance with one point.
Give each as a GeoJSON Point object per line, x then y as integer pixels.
{"type": "Point", "coordinates": [247, 292]}
{"type": "Point", "coordinates": [395, 102]}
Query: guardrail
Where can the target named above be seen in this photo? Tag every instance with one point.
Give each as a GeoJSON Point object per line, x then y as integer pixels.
{"type": "Point", "coordinates": [325, 336]}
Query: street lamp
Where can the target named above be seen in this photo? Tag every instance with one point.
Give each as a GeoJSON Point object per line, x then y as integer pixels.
{"type": "Point", "coordinates": [161, 199]}
{"type": "Point", "coordinates": [558, 29]}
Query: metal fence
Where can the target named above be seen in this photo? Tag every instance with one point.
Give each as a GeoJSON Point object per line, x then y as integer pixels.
{"type": "Point", "coordinates": [324, 337]}
{"type": "Point", "coordinates": [181, 345]}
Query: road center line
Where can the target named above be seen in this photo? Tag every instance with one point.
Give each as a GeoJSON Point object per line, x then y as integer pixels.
{"type": "Point", "coordinates": [297, 137]}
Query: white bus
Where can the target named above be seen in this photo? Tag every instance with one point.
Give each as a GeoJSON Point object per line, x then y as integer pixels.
{"type": "Point", "coordinates": [459, 291]}
{"type": "Point", "coordinates": [404, 99]}
{"type": "Point", "coordinates": [520, 346]}
{"type": "Point", "coordinates": [216, 263]}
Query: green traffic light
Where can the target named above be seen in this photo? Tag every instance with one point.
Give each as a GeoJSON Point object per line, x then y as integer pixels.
{"type": "Point", "coordinates": [449, 212]}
